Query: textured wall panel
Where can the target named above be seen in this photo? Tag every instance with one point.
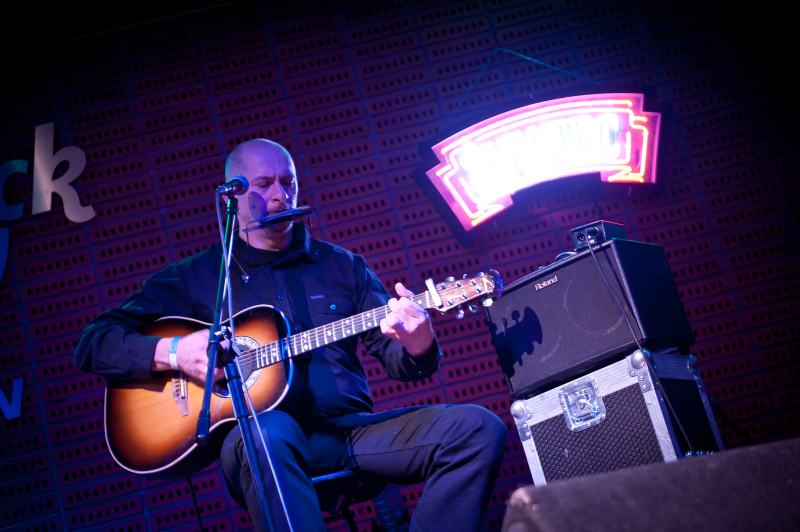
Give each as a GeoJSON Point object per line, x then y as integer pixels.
{"type": "Point", "coordinates": [469, 369]}
{"type": "Point", "coordinates": [27, 465]}
{"type": "Point", "coordinates": [168, 99]}
{"type": "Point", "coordinates": [84, 450]}
{"type": "Point", "coordinates": [77, 407]}
{"type": "Point", "coordinates": [96, 515]}
{"type": "Point", "coordinates": [452, 267]}
{"type": "Point", "coordinates": [113, 93]}
{"type": "Point", "coordinates": [27, 487]}
{"type": "Point", "coordinates": [356, 92]}
{"type": "Point", "coordinates": [472, 390]}
{"type": "Point", "coordinates": [29, 509]}
{"type": "Point", "coordinates": [400, 100]}
{"type": "Point", "coordinates": [99, 491]}
{"type": "Point", "coordinates": [96, 469]}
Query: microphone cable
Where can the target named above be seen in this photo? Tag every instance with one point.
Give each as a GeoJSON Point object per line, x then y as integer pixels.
{"type": "Point", "coordinates": [635, 339]}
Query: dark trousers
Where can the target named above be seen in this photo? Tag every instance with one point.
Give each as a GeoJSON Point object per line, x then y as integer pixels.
{"type": "Point", "coordinates": [457, 449]}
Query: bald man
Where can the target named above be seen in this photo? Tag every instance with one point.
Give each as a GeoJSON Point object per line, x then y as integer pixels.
{"type": "Point", "coordinates": [326, 422]}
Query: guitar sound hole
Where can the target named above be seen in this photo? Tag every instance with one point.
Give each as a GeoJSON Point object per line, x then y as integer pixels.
{"type": "Point", "coordinates": [248, 363]}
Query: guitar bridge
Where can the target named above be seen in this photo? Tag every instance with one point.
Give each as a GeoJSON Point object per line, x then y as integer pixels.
{"type": "Point", "coordinates": [180, 392]}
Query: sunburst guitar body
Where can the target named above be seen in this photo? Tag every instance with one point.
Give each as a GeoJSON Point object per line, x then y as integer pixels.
{"type": "Point", "coordinates": [151, 425]}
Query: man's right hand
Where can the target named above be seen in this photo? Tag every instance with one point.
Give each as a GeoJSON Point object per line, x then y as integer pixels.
{"type": "Point", "coordinates": [191, 354]}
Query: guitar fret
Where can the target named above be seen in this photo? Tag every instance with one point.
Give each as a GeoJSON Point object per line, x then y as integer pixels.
{"type": "Point", "coordinates": [303, 342]}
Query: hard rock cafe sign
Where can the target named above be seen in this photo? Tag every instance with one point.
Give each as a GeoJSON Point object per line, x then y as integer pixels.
{"type": "Point", "coordinates": [481, 167]}
{"type": "Point", "coordinates": [45, 184]}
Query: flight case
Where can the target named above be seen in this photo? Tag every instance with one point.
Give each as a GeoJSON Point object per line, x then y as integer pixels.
{"type": "Point", "coordinates": [616, 417]}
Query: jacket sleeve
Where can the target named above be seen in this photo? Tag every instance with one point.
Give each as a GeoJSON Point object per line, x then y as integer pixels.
{"type": "Point", "coordinates": [397, 362]}
{"type": "Point", "coordinates": [111, 345]}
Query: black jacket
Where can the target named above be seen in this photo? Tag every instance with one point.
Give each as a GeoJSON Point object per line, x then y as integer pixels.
{"type": "Point", "coordinates": [313, 283]}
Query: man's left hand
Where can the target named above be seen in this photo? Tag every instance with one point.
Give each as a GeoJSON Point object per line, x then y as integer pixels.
{"type": "Point", "coordinates": [408, 323]}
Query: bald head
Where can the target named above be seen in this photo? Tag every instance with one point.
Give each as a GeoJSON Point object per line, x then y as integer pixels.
{"type": "Point", "coordinates": [262, 152]}
{"type": "Point", "coordinates": [270, 171]}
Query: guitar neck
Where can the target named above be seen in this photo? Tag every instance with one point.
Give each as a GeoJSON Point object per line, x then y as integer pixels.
{"type": "Point", "coordinates": [305, 341]}
{"type": "Point", "coordinates": [443, 297]}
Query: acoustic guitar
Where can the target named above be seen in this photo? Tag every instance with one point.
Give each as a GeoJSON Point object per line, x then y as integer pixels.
{"type": "Point", "coordinates": [150, 424]}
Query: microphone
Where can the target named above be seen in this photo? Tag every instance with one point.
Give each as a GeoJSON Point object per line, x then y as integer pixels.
{"type": "Point", "coordinates": [236, 185]}
{"type": "Point", "coordinates": [280, 217]}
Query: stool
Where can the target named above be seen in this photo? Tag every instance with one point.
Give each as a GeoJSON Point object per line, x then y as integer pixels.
{"type": "Point", "coordinates": [337, 491]}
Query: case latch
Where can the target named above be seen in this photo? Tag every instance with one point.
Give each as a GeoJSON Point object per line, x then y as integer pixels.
{"type": "Point", "coordinates": [582, 404]}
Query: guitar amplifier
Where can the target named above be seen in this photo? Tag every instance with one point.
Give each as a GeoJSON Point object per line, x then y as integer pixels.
{"type": "Point", "coordinates": [562, 321]}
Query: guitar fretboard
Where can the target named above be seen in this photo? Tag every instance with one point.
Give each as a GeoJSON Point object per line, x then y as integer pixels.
{"type": "Point", "coordinates": [300, 343]}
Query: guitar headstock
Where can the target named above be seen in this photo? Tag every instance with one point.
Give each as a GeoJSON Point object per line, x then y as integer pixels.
{"type": "Point", "coordinates": [451, 293]}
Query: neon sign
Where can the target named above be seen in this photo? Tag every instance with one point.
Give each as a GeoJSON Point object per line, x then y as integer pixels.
{"type": "Point", "coordinates": [482, 166]}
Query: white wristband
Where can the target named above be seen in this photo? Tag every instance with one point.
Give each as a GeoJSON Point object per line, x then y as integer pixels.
{"type": "Point", "coordinates": [172, 354]}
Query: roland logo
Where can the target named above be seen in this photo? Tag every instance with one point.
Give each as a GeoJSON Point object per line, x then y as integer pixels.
{"type": "Point", "coordinates": [545, 284]}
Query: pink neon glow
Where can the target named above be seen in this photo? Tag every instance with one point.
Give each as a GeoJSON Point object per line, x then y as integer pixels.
{"type": "Point", "coordinates": [482, 166]}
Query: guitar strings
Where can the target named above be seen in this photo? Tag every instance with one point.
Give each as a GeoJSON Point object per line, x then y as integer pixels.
{"type": "Point", "coordinates": [267, 350]}
{"type": "Point", "coordinates": [264, 350]}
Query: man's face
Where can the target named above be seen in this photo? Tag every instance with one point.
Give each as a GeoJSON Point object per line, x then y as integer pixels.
{"type": "Point", "coordinates": [273, 184]}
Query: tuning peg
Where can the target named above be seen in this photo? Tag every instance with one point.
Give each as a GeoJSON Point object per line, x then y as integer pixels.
{"type": "Point", "coordinates": [488, 302]}
{"type": "Point", "coordinates": [481, 274]}
{"type": "Point", "coordinates": [459, 313]}
{"type": "Point", "coordinates": [464, 276]}
{"type": "Point", "coordinates": [473, 308]}
{"type": "Point", "coordinates": [450, 279]}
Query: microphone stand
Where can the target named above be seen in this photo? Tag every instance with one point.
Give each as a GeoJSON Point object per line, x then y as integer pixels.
{"type": "Point", "coordinates": [235, 382]}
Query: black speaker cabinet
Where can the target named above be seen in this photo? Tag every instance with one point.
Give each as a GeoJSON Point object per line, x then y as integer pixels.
{"type": "Point", "coordinates": [562, 321]}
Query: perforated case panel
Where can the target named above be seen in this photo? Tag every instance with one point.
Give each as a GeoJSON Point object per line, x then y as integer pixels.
{"type": "Point", "coordinates": [625, 439]}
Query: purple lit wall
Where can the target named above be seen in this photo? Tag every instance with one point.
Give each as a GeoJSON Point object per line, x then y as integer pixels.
{"type": "Point", "coordinates": [352, 92]}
